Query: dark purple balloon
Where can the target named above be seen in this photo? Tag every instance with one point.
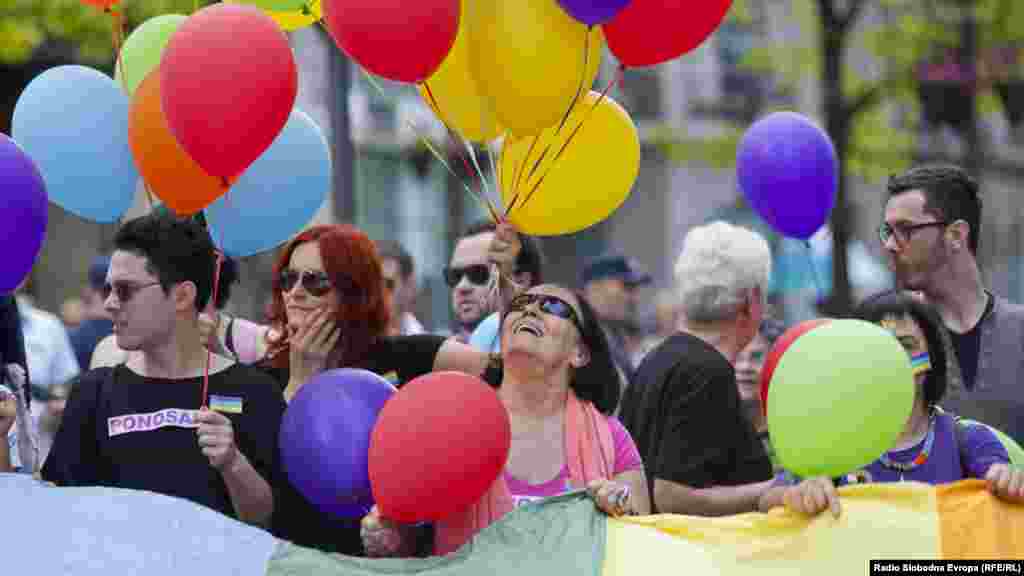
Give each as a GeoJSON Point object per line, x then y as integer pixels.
{"type": "Point", "coordinates": [325, 439]}
{"type": "Point", "coordinates": [23, 214]}
{"type": "Point", "coordinates": [788, 171]}
{"type": "Point", "coordinates": [593, 12]}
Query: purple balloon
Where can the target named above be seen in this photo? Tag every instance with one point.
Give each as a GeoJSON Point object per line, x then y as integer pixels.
{"type": "Point", "coordinates": [788, 171]}
{"type": "Point", "coordinates": [593, 12]}
{"type": "Point", "coordinates": [23, 214]}
{"type": "Point", "coordinates": [325, 439]}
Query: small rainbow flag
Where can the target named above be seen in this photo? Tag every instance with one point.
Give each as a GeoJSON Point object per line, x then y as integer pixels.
{"type": "Point", "coordinates": [226, 404]}
{"type": "Point", "coordinates": [920, 363]}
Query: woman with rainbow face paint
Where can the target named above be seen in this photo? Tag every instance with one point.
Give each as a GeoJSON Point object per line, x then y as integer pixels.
{"type": "Point", "coordinates": [935, 447]}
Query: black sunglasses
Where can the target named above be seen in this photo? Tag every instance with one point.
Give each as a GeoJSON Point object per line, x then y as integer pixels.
{"type": "Point", "coordinates": [124, 291]}
{"type": "Point", "coordinates": [548, 304]}
{"type": "Point", "coordinates": [903, 232]}
{"type": "Point", "coordinates": [316, 283]}
{"type": "Point", "coordinates": [478, 274]}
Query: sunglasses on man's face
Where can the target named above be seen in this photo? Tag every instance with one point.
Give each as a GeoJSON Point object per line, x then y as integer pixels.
{"type": "Point", "coordinates": [124, 291]}
{"type": "Point", "coordinates": [316, 283]}
{"type": "Point", "coordinates": [478, 274]}
{"type": "Point", "coordinates": [552, 305]}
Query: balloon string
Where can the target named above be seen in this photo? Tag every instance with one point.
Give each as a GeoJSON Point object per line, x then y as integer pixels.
{"type": "Point", "coordinates": [561, 124]}
{"type": "Point", "coordinates": [455, 138]}
{"type": "Point", "coordinates": [819, 291]}
{"type": "Point", "coordinates": [517, 176]}
{"type": "Point", "coordinates": [426, 142]}
{"type": "Point", "coordinates": [568, 141]}
{"type": "Point", "coordinates": [209, 351]}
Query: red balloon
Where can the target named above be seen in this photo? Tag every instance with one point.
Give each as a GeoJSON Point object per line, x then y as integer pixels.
{"type": "Point", "coordinates": [778, 349]}
{"type": "Point", "coordinates": [650, 32]}
{"type": "Point", "coordinates": [228, 84]}
{"type": "Point", "coordinates": [437, 447]}
{"type": "Point", "coordinates": [402, 40]}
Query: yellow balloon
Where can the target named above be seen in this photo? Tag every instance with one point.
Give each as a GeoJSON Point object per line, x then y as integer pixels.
{"type": "Point", "coordinates": [289, 21]}
{"type": "Point", "coordinates": [580, 180]}
{"type": "Point", "coordinates": [531, 59]}
{"type": "Point", "coordinates": [460, 104]}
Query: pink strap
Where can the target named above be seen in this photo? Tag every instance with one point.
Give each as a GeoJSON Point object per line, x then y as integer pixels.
{"type": "Point", "coordinates": [246, 337]}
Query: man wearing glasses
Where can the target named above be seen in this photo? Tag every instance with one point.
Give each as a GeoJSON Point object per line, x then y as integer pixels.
{"type": "Point", "coordinates": [473, 280]}
{"type": "Point", "coordinates": [139, 424]}
{"type": "Point", "coordinates": [930, 232]}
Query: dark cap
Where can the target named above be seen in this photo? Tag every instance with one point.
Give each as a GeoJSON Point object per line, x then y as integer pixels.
{"type": "Point", "coordinates": [615, 266]}
{"type": "Point", "coordinates": [98, 271]}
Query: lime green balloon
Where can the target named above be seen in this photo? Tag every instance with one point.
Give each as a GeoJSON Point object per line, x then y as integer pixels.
{"type": "Point", "coordinates": [142, 50]}
{"type": "Point", "coordinates": [1012, 448]}
{"type": "Point", "coordinates": [840, 397]}
{"type": "Point", "coordinates": [275, 5]}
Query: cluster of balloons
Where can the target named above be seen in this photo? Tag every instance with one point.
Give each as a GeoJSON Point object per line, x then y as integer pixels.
{"type": "Point", "coordinates": [199, 106]}
{"type": "Point", "coordinates": [349, 440]}
{"type": "Point", "coordinates": [523, 71]}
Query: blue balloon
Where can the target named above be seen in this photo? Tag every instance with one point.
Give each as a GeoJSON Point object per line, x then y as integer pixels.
{"type": "Point", "coordinates": [788, 171]}
{"type": "Point", "coordinates": [325, 439]}
{"type": "Point", "coordinates": [278, 195]}
{"type": "Point", "coordinates": [73, 121]}
{"type": "Point", "coordinates": [23, 214]}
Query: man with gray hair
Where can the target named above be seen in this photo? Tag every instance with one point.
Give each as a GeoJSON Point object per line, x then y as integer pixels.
{"type": "Point", "coordinates": [683, 409]}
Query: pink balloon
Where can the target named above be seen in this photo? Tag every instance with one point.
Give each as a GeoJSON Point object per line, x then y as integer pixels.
{"type": "Point", "coordinates": [229, 83]}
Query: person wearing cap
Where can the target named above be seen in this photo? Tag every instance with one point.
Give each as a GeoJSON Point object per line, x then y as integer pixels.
{"type": "Point", "coordinates": [610, 284]}
{"type": "Point", "coordinates": [96, 324]}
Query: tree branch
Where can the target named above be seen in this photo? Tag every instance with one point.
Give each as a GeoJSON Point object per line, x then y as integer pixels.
{"type": "Point", "coordinates": [828, 14]}
{"type": "Point", "coordinates": [852, 13]}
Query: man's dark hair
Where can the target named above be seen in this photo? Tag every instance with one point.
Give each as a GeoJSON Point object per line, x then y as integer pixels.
{"type": "Point", "coordinates": [950, 194]}
{"type": "Point", "coordinates": [392, 250]}
{"type": "Point", "coordinates": [531, 258]}
{"type": "Point", "coordinates": [176, 249]}
{"type": "Point", "coordinates": [228, 277]}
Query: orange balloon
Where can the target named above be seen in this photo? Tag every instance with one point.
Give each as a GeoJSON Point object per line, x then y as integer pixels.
{"type": "Point", "coordinates": [167, 169]}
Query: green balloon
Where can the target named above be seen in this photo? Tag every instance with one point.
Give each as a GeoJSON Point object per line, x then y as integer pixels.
{"type": "Point", "coordinates": [1012, 448]}
{"type": "Point", "coordinates": [276, 5]}
{"type": "Point", "coordinates": [142, 50]}
{"type": "Point", "coordinates": [840, 397]}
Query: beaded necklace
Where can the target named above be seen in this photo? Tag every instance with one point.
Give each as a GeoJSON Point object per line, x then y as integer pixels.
{"type": "Point", "coordinates": [918, 460]}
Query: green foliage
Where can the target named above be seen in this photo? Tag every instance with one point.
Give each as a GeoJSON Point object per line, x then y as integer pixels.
{"type": "Point", "coordinates": [896, 37]}
{"type": "Point", "coordinates": [25, 24]}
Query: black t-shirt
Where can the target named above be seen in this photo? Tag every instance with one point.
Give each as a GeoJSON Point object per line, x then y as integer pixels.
{"type": "Point", "coordinates": [968, 346]}
{"type": "Point", "coordinates": [683, 410]}
{"type": "Point", "coordinates": [124, 430]}
{"type": "Point", "coordinates": [399, 359]}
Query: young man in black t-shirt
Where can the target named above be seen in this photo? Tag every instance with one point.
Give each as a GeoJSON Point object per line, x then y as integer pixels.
{"type": "Point", "coordinates": [683, 408]}
{"type": "Point", "coordinates": [139, 425]}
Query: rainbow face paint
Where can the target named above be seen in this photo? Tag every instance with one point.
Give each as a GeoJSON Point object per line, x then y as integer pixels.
{"type": "Point", "coordinates": [920, 363]}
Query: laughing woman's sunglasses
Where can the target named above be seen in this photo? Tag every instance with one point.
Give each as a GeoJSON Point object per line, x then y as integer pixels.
{"type": "Point", "coordinates": [552, 305]}
{"type": "Point", "coordinates": [316, 283]}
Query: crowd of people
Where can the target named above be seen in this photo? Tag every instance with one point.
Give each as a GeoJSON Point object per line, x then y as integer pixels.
{"type": "Point", "coordinates": [667, 423]}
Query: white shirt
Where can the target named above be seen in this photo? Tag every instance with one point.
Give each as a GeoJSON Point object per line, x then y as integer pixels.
{"type": "Point", "coordinates": [411, 326]}
{"type": "Point", "coordinates": [51, 359]}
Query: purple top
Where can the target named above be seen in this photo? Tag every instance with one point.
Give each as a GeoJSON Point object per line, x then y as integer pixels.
{"type": "Point", "coordinates": [981, 449]}
{"type": "Point", "coordinates": [627, 458]}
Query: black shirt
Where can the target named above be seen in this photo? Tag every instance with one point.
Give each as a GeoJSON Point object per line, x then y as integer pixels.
{"type": "Point", "coordinates": [399, 359]}
{"type": "Point", "coordinates": [968, 345]}
{"type": "Point", "coordinates": [124, 430]}
{"type": "Point", "coordinates": [683, 410]}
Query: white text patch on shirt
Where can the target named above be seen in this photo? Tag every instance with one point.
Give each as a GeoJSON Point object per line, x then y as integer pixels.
{"type": "Point", "coordinates": [169, 417]}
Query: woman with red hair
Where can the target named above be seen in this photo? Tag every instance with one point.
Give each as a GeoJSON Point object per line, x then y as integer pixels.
{"type": "Point", "coordinates": [330, 310]}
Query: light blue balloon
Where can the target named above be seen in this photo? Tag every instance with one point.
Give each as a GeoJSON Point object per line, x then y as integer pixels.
{"type": "Point", "coordinates": [73, 121]}
{"type": "Point", "coordinates": [487, 336]}
{"type": "Point", "coordinates": [278, 195]}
